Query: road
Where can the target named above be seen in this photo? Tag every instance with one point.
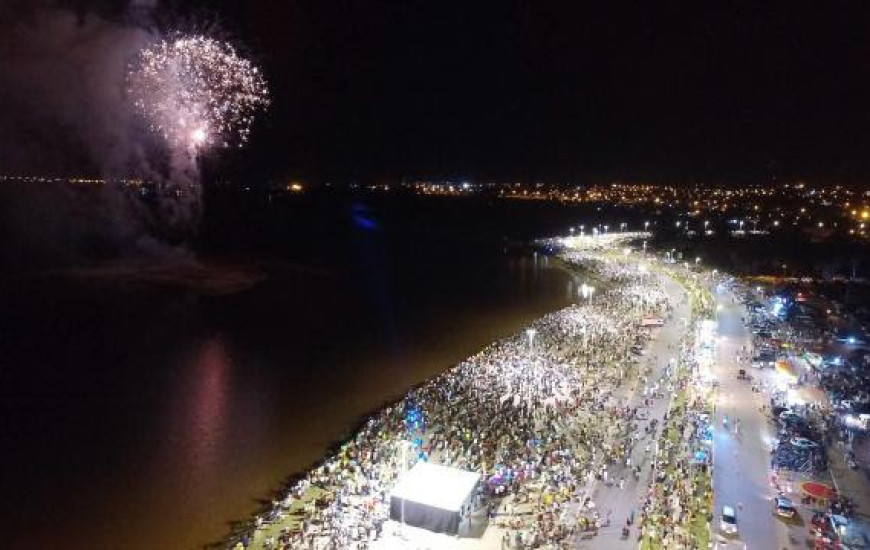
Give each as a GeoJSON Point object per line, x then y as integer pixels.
{"type": "Point", "coordinates": [741, 459]}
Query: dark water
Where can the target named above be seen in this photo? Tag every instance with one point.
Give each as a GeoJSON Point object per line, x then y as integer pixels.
{"type": "Point", "coordinates": [135, 416]}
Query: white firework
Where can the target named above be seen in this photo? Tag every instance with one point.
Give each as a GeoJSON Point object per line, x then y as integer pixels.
{"type": "Point", "coordinates": [197, 92]}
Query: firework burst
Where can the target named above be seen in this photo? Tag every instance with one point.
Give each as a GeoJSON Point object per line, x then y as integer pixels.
{"type": "Point", "coordinates": [197, 92]}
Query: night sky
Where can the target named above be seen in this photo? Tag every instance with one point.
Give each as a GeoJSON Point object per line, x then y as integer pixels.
{"type": "Point", "coordinates": [573, 91]}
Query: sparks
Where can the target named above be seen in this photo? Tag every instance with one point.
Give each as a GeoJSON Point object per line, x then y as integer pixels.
{"type": "Point", "coordinates": [197, 92]}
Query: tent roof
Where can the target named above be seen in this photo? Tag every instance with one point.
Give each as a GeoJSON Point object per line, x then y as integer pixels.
{"type": "Point", "coordinates": [435, 485]}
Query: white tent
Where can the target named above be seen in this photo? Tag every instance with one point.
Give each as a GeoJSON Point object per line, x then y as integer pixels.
{"type": "Point", "coordinates": [433, 497]}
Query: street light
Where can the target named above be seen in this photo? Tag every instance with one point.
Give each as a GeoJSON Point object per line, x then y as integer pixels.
{"type": "Point", "coordinates": [405, 445]}
{"type": "Point", "coordinates": [645, 225]}
{"type": "Point", "coordinates": [581, 230]}
{"type": "Point", "coordinates": [531, 334]}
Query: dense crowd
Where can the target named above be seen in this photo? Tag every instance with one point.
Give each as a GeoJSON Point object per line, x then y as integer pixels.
{"type": "Point", "coordinates": [678, 500]}
{"type": "Point", "coordinates": [677, 506]}
{"type": "Point", "coordinates": [537, 415]}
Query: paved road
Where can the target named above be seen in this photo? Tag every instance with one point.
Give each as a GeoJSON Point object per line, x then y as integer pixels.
{"type": "Point", "coordinates": [741, 459]}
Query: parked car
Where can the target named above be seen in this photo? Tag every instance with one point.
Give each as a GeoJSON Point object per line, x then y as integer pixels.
{"type": "Point", "coordinates": [783, 506]}
{"type": "Point", "coordinates": [803, 443]}
{"type": "Point", "coordinates": [791, 417]}
{"type": "Point", "coordinates": [728, 523]}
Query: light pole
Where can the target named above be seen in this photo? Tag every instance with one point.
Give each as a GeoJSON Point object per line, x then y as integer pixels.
{"type": "Point", "coordinates": [581, 229]}
{"type": "Point", "coordinates": [531, 334]}
{"type": "Point", "coordinates": [405, 445]}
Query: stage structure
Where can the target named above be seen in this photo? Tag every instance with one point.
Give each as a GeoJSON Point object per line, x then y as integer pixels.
{"type": "Point", "coordinates": [433, 497]}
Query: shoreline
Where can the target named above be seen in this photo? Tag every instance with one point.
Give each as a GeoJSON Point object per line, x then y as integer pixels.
{"type": "Point", "coordinates": [286, 489]}
{"type": "Point", "coordinates": [352, 427]}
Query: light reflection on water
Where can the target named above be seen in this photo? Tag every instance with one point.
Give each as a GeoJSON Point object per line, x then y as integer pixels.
{"type": "Point", "coordinates": [203, 402]}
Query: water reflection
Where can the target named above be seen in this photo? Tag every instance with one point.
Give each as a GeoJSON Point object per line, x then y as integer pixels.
{"type": "Point", "coordinates": [199, 415]}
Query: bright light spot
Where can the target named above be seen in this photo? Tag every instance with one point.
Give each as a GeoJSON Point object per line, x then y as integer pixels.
{"type": "Point", "coordinates": [852, 421]}
{"type": "Point", "coordinates": [198, 136]}
{"type": "Point", "coordinates": [794, 398]}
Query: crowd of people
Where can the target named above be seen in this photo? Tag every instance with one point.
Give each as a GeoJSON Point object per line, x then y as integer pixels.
{"type": "Point", "coordinates": [539, 415]}
{"type": "Point", "coordinates": [679, 499]}
{"type": "Point", "coordinates": [676, 508]}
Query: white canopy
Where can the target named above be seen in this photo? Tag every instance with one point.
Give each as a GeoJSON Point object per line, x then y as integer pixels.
{"type": "Point", "coordinates": [437, 486]}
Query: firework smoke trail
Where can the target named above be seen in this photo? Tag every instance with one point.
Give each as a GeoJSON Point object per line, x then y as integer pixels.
{"type": "Point", "coordinates": [197, 92]}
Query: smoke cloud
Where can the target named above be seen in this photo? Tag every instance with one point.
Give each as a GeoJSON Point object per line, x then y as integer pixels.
{"type": "Point", "coordinates": [65, 113]}
{"type": "Point", "coordinates": [62, 77]}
